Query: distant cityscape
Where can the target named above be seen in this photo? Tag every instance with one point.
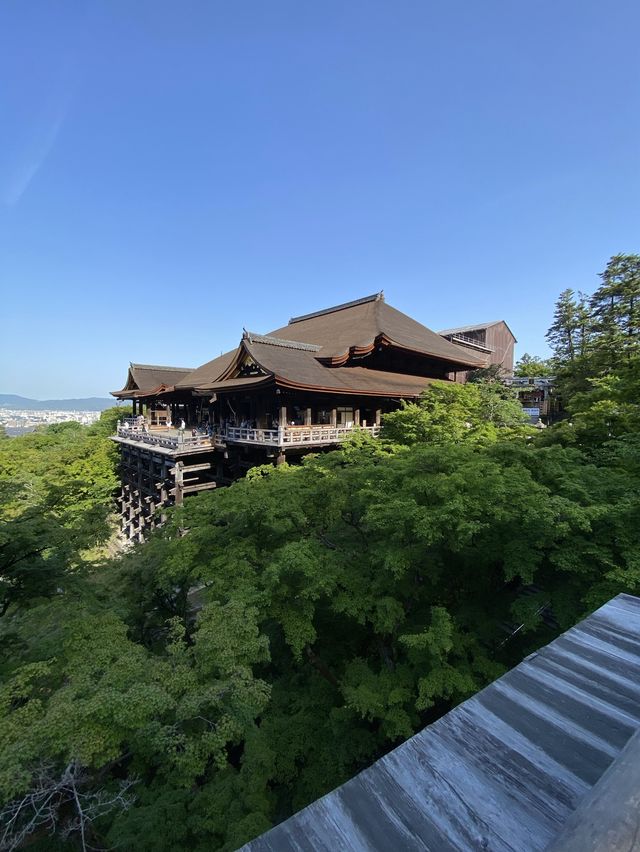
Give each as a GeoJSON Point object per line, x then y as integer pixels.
{"type": "Point", "coordinates": [18, 421]}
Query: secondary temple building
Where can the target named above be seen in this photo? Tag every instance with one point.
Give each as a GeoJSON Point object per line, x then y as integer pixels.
{"type": "Point", "coordinates": [301, 388]}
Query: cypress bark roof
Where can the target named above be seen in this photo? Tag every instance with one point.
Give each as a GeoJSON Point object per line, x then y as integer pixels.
{"type": "Point", "coordinates": [148, 377]}
{"type": "Point", "coordinates": [311, 350]}
{"type": "Point", "coordinates": [359, 325]}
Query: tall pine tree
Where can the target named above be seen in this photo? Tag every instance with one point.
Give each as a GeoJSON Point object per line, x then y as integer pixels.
{"type": "Point", "coordinates": [568, 336]}
{"type": "Point", "coordinates": [615, 313]}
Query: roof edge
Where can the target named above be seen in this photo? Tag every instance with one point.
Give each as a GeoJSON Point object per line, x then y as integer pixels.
{"type": "Point", "coordinates": [161, 367]}
{"type": "Point", "coordinates": [375, 297]}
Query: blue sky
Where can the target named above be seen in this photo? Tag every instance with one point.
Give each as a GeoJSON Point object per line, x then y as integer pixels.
{"type": "Point", "coordinates": [173, 171]}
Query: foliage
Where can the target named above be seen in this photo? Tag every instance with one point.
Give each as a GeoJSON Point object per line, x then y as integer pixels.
{"type": "Point", "coordinates": [274, 637]}
{"type": "Point", "coordinates": [569, 332]}
{"type": "Point", "coordinates": [56, 486]}
{"type": "Point", "coordinates": [381, 576]}
{"type": "Point", "coordinates": [532, 366]}
{"type": "Point", "coordinates": [474, 412]}
{"type": "Point", "coordinates": [596, 343]}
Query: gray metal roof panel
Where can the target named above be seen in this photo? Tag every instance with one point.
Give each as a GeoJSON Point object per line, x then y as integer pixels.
{"type": "Point", "coordinates": [504, 769]}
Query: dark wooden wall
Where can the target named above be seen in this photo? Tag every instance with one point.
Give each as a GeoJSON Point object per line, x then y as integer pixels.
{"type": "Point", "coordinates": [500, 339]}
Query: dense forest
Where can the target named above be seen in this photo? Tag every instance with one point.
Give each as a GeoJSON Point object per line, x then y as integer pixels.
{"type": "Point", "coordinates": [276, 636]}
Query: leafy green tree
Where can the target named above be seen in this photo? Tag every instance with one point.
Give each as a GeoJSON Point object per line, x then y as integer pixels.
{"type": "Point", "coordinates": [531, 366]}
{"type": "Point", "coordinates": [56, 487]}
{"type": "Point", "coordinates": [448, 412]}
{"type": "Point", "coordinates": [381, 575]}
{"type": "Point", "coordinates": [104, 704]}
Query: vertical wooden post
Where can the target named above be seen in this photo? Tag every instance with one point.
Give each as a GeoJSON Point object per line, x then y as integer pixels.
{"type": "Point", "coordinates": [334, 417]}
{"type": "Point", "coordinates": [356, 416]}
{"type": "Point", "coordinates": [280, 458]}
{"type": "Point", "coordinates": [139, 476]}
{"type": "Point", "coordinates": [307, 417]}
{"type": "Point", "coordinates": [164, 496]}
{"type": "Point", "coordinates": [283, 416]}
{"type": "Point", "coordinates": [179, 480]}
{"type": "Point", "coordinates": [133, 406]}
{"type": "Point", "coordinates": [378, 416]}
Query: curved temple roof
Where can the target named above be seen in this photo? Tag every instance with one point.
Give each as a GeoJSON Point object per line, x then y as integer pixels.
{"type": "Point", "coordinates": [143, 378]}
{"type": "Point", "coordinates": [311, 350]}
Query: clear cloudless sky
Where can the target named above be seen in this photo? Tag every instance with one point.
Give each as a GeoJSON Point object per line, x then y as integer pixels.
{"type": "Point", "coordinates": [173, 171]}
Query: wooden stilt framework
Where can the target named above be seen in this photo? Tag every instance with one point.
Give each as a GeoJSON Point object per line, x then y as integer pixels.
{"type": "Point", "coordinates": [151, 482]}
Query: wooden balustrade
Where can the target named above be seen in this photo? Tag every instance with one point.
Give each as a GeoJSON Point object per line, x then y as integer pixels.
{"type": "Point", "coordinates": [287, 436]}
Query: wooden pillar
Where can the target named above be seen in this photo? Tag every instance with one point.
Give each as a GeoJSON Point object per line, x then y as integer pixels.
{"type": "Point", "coordinates": [179, 478]}
{"type": "Point", "coordinates": [139, 476]}
{"type": "Point", "coordinates": [133, 406]}
{"type": "Point", "coordinates": [123, 507]}
{"type": "Point", "coordinates": [283, 416]}
{"type": "Point", "coordinates": [307, 417]}
{"type": "Point", "coordinates": [334, 417]}
{"type": "Point", "coordinates": [356, 416]}
{"type": "Point", "coordinates": [378, 416]}
{"type": "Point", "coordinates": [164, 496]}
{"type": "Point", "coordinates": [280, 458]}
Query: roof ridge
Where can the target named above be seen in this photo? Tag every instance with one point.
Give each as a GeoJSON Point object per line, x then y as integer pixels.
{"type": "Point", "coordinates": [161, 367]}
{"type": "Point", "coordinates": [279, 341]}
{"type": "Point", "coordinates": [375, 297]}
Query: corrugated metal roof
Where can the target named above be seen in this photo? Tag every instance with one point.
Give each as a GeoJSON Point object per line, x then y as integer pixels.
{"type": "Point", "coordinates": [504, 769]}
{"type": "Point", "coordinates": [462, 328]}
{"type": "Point", "coordinates": [479, 326]}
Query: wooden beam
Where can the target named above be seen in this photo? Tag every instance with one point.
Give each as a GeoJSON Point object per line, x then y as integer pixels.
{"type": "Point", "coordinates": [188, 489]}
{"type": "Point", "coordinates": [192, 468]}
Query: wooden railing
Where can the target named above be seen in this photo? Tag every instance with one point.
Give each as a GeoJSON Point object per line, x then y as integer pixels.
{"type": "Point", "coordinates": [244, 435]}
{"type": "Point", "coordinates": [135, 430]}
{"type": "Point", "coordinates": [469, 341]}
{"type": "Point", "coordinates": [285, 436]}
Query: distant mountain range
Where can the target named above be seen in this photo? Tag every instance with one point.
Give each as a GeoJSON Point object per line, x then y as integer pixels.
{"type": "Point", "coordinates": [91, 403]}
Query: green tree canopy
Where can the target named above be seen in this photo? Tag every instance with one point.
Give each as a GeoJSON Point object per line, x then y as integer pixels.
{"type": "Point", "coordinates": [530, 366]}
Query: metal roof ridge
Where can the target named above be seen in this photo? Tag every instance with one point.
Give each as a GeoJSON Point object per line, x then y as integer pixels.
{"type": "Point", "coordinates": [161, 367]}
{"type": "Point", "coordinates": [375, 297]}
{"type": "Point", "coordinates": [279, 341]}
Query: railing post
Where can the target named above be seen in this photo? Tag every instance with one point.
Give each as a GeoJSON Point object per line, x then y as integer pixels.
{"type": "Point", "coordinates": [280, 436]}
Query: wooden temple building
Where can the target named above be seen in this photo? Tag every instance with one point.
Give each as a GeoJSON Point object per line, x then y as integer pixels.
{"type": "Point", "coordinates": [494, 340]}
{"type": "Point", "coordinates": [300, 388]}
